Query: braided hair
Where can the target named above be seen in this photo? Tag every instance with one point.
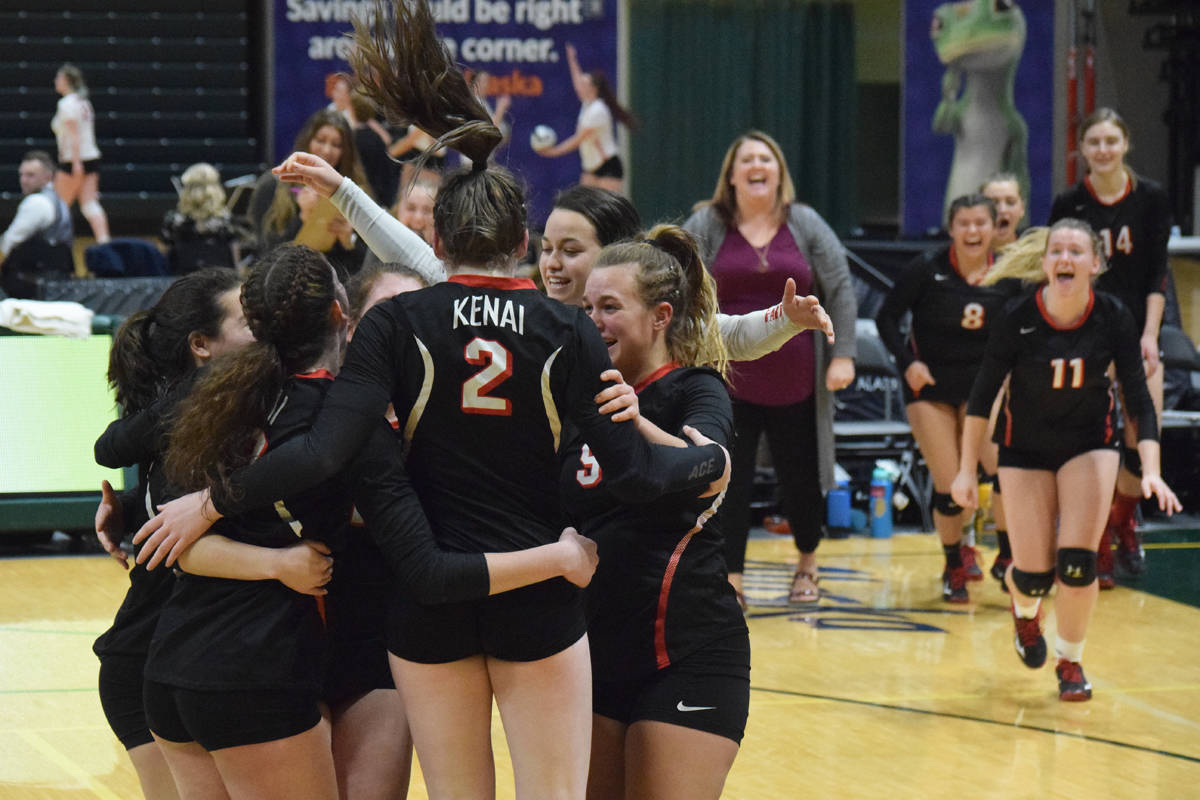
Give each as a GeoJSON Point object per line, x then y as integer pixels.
{"type": "Point", "coordinates": [286, 299]}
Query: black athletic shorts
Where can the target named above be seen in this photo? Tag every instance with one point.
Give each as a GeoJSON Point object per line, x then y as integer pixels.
{"type": "Point", "coordinates": [611, 168]}
{"type": "Point", "coordinates": [1051, 460]}
{"type": "Point", "coordinates": [356, 616]}
{"type": "Point", "coordinates": [953, 386]}
{"type": "Point", "coordinates": [220, 719]}
{"type": "Point", "coordinates": [526, 624]}
{"type": "Point", "coordinates": [707, 691]}
{"type": "Point", "coordinates": [89, 167]}
{"type": "Point", "coordinates": [121, 684]}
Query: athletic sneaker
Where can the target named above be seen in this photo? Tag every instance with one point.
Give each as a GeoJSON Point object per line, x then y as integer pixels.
{"type": "Point", "coordinates": [970, 561]}
{"type": "Point", "coordinates": [1130, 554]}
{"type": "Point", "coordinates": [1072, 685]}
{"type": "Point", "coordinates": [954, 585]}
{"type": "Point", "coordinates": [1104, 561]}
{"type": "Point", "coordinates": [999, 569]}
{"type": "Point", "coordinates": [1030, 644]}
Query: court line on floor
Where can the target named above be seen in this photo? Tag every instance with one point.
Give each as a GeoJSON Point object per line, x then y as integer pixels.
{"type": "Point", "coordinates": [969, 718]}
{"type": "Point", "coordinates": [65, 763]}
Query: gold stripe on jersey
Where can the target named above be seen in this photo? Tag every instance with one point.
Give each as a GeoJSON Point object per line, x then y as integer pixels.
{"type": "Point", "coordinates": [548, 399]}
{"type": "Point", "coordinates": [414, 416]}
{"type": "Point", "coordinates": [287, 517]}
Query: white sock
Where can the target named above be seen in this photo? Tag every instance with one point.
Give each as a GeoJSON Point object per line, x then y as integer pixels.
{"type": "Point", "coordinates": [1029, 611]}
{"type": "Point", "coordinates": [1071, 651]}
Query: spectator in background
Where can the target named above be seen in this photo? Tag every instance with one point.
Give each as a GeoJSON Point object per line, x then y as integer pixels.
{"type": "Point", "coordinates": [278, 211]}
{"type": "Point", "coordinates": [38, 242]}
{"type": "Point", "coordinates": [594, 136]}
{"type": "Point", "coordinates": [74, 127]}
{"type": "Point", "coordinates": [753, 235]}
{"type": "Point", "coordinates": [199, 231]}
{"type": "Point", "coordinates": [372, 142]}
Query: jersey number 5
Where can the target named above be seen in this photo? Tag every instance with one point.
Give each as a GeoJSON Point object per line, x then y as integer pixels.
{"type": "Point", "coordinates": [589, 473]}
{"type": "Point", "coordinates": [972, 318]}
{"type": "Point", "coordinates": [497, 367]}
{"type": "Point", "coordinates": [1059, 366]}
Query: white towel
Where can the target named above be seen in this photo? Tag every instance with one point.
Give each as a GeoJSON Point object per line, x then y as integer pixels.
{"type": "Point", "coordinates": [56, 318]}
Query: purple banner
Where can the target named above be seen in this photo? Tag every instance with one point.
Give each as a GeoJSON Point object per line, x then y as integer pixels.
{"type": "Point", "coordinates": [978, 99]}
{"type": "Point", "coordinates": [521, 43]}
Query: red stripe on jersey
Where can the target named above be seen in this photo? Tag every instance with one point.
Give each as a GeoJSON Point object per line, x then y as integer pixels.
{"type": "Point", "coordinates": [1087, 312]}
{"type": "Point", "coordinates": [665, 369]}
{"type": "Point", "coordinates": [315, 374]}
{"type": "Point", "coordinates": [954, 263]}
{"type": "Point", "coordinates": [1007, 422]}
{"type": "Point", "coordinates": [660, 619]}
{"type": "Point", "coordinates": [1110, 416]}
{"type": "Point", "coordinates": [321, 611]}
{"type": "Point", "coordinates": [492, 282]}
{"type": "Point", "coordinates": [1087, 182]}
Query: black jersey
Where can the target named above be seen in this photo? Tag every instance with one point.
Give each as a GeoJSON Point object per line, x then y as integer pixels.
{"type": "Point", "coordinates": [1059, 396]}
{"type": "Point", "coordinates": [482, 371]}
{"type": "Point", "coordinates": [1134, 231]}
{"type": "Point", "coordinates": [217, 633]}
{"type": "Point", "coordinates": [950, 317]}
{"type": "Point", "coordinates": [224, 634]}
{"type": "Point", "coordinates": [660, 591]}
{"type": "Point", "coordinates": [138, 440]}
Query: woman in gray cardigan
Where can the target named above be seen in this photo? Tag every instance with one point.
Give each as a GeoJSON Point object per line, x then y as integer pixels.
{"type": "Point", "coordinates": [753, 235]}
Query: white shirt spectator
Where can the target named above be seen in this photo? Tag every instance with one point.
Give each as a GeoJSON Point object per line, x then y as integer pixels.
{"type": "Point", "coordinates": [34, 215]}
{"type": "Point", "coordinates": [73, 107]}
{"type": "Point", "coordinates": [599, 145]}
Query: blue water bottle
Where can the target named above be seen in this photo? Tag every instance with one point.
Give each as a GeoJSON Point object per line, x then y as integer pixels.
{"type": "Point", "coordinates": [881, 503]}
{"type": "Point", "coordinates": [837, 506]}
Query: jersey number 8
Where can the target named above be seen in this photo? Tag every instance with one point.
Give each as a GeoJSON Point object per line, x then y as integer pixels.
{"type": "Point", "coordinates": [973, 316]}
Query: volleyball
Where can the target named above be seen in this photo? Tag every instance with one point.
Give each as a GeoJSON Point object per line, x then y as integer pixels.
{"type": "Point", "coordinates": [543, 136]}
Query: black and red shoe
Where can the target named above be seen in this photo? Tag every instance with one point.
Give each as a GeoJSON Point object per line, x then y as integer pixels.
{"type": "Point", "coordinates": [999, 569]}
{"type": "Point", "coordinates": [970, 562]}
{"type": "Point", "coordinates": [1104, 561]}
{"type": "Point", "coordinates": [1130, 554]}
{"type": "Point", "coordinates": [1072, 685]}
{"type": "Point", "coordinates": [1029, 641]}
{"type": "Point", "coordinates": [954, 585]}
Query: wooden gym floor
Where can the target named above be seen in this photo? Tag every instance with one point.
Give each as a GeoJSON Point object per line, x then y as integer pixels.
{"type": "Point", "coordinates": [881, 690]}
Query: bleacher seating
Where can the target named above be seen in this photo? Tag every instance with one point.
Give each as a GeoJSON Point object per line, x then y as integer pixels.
{"type": "Point", "coordinates": [170, 87]}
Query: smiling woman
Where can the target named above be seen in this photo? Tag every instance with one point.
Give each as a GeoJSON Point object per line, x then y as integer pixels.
{"type": "Point", "coordinates": [753, 235]}
{"type": "Point", "coordinates": [952, 314]}
{"type": "Point", "coordinates": [1131, 215]}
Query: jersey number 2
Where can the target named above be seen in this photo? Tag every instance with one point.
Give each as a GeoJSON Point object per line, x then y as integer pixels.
{"type": "Point", "coordinates": [1059, 366]}
{"type": "Point", "coordinates": [497, 367]}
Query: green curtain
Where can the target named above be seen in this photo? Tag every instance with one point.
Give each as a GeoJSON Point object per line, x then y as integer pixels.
{"type": "Point", "coordinates": [703, 71]}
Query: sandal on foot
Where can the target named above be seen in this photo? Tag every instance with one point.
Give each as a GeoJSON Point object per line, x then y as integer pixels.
{"type": "Point", "coordinates": [804, 588]}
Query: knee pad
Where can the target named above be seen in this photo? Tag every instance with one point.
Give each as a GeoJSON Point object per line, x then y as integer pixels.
{"type": "Point", "coordinates": [1076, 566]}
{"type": "Point", "coordinates": [91, 208]}
{"type": "Point", "coordinates": [943, 503]}
{"type": "Point", "coordinates": [1131, 461]}
{"type": "Point", "coordinates": [1033, 584]}
{"type": "Point", "coordinates": [994, 480]}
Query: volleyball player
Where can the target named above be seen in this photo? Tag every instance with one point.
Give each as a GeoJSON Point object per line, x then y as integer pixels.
{"type": "Point", "coordinates": [951, 315]}
{"type": "Point", "coordinates": [1132, 216]}
{"type": "Point", "coordinates": [670, 649]}
{"type": "Point", "coordinates": [482, 371]}
{"type": "Point", "coordinates": [154, 356]}
{"type": "Point", "coordinates": [1058, 461]}
{"type": "Point", "coordinates": [235, 667]}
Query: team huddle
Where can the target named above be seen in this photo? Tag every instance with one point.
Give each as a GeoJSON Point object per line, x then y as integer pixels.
{"type": "Point", "coordinates": [395, 501]}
